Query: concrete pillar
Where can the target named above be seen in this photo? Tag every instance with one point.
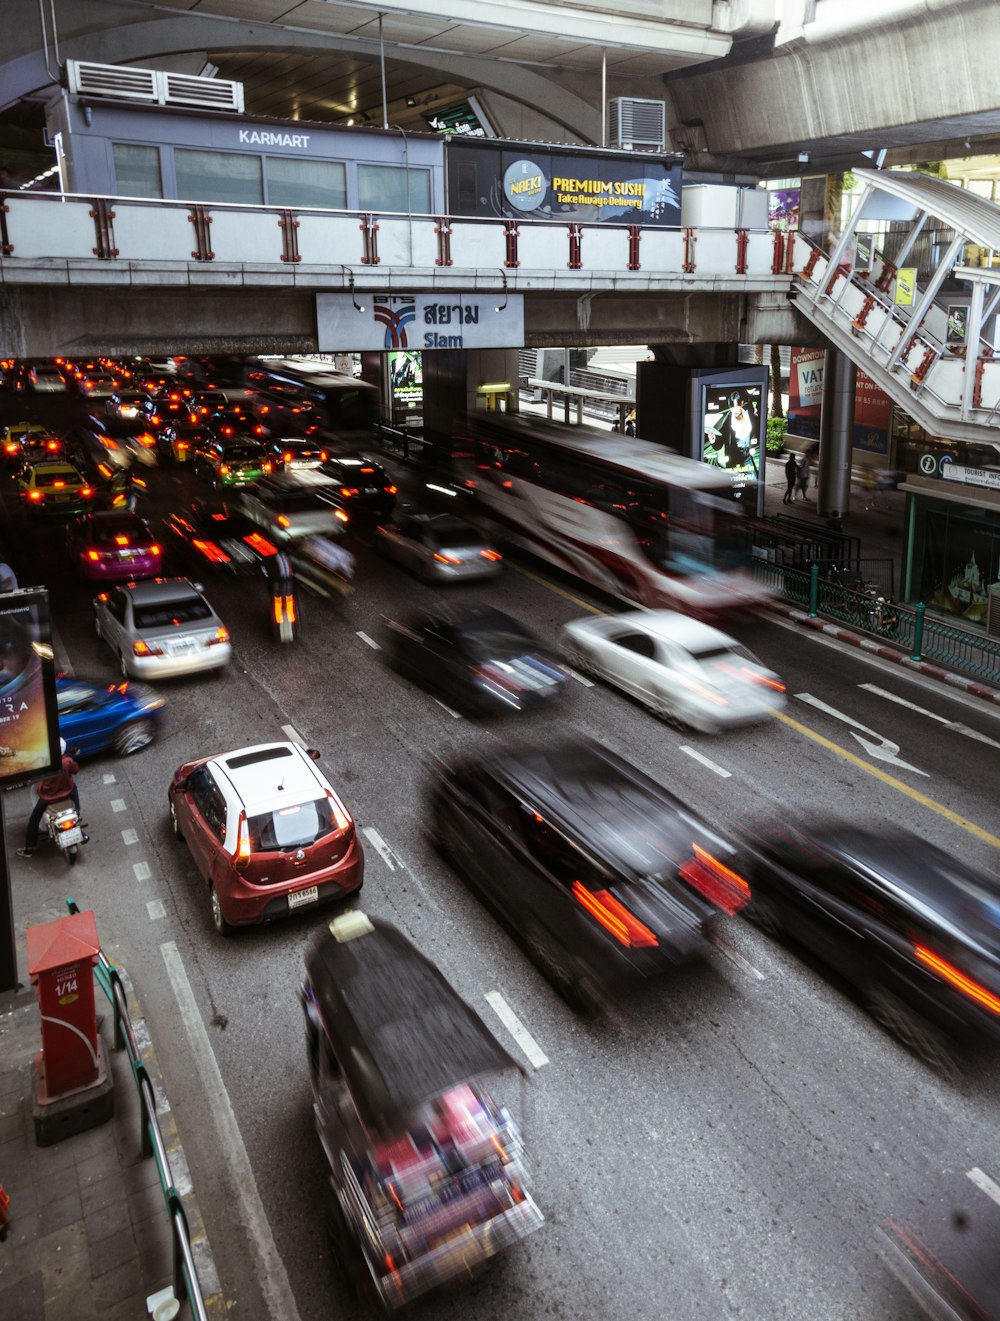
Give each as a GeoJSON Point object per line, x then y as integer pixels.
{"type": "Point", "coordinates": [836, 435]}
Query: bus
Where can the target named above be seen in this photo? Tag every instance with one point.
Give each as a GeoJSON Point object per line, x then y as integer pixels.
{"type": "Point", "coordinates": [292, 395]}
{"type": "Point", "coordinates": [633, 519]}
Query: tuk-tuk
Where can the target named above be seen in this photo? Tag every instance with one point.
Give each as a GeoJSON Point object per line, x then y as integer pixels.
{"type": "Point", "coordinates": [427, 1174]}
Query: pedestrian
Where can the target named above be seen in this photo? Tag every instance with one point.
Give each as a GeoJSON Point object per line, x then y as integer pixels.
{"type": "Point", "coordinates": [8, 578]}
{"type": "Point", "coordinates": [791, 474]}
{"type": "Point", "coordinates": [53, 790]}
{"type": "Point", "coordinates": [805, 473]}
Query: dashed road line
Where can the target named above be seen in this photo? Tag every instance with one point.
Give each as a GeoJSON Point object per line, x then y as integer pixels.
{"type": "Point", "coordinates": [732, 953]}
{"type": "Point", "coordinates": [142, 872]}
{"type": "Point", "coordinates": [109, 778]}
{"type": "Point", "coordinates": [536, 1056]}
{"type": "Point", "coordinates": [293, 735]}
{"type": "Point", "coordinates": [130, 837]}
{"type": "Point", "coordinates": [156, 910]}
{"type": "Point", "coordinates": [369, 642]}
{"type": "Point", "coordinates": [278, 1297]}
{"type": "Point", "coordinates": [447, 708]}
{"type": "Point", "coordinates": [118, 804]}
{"type": "Point", "coordinates": [391, 860]}
{"type": "Point", "coordinates": [984, 1182]}
{"type": "Point", "coordinates": [700, 756]}
{"type": "Point", "coordinates": [580, 678]}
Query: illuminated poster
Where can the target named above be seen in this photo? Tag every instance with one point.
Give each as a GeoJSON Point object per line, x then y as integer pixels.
{"type": "Point", "coordinates": [733, 420]}
{"type": "Point", "coordinates": [783, 208]}
{"type": "Point", "coordinates": [29, 723]}
{"type": "Point", "coordinates": [872, 406]}
{"type": "Point", "coordinates": [958, 321]}
{"type": "Point", "coordinates": [406, 385]}
{"type": "Point", "coordinates": [906, 286]}
{"type": "Point", "coordinates": [523, 181]}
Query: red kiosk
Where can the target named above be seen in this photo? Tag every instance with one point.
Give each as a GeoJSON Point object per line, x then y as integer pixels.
{"type": "Point", "coordinates": [73, 1086]}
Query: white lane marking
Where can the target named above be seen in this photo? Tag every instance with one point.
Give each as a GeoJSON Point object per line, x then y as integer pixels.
{"type": "Point", "coordinates": [293, 735]}
{"type": "Point", "coordinates": [118, 804]}
{"type": "Point", "coordinates": [142, 872]}
{"type": "Point", "coordinates": [391, 860]}
{"type": "Point", "coordinates": [278, 1297]}
{"type": "Point", "coordinates": [693, 752]}
{"type": "Point", "coordinates": [109, 778]}
{"type": "Point", "coordinates": [155, 909]}
{"type": "Point", "coordinates": [580, 678]}
{"type": "Point", "coordinates": [130, 837]}
{"type": "Point", "coordinates": [517, 1030]}
{"type": "Point", "coordinates": [447, 708]}
{"type": "Point", "coordinates": [370, 642]}
{"type": "Point", "coordinates": [984, 1182]}
{"type": "Point", "coordinates": [956, 725]}
{"type": "Point", "coordinates": [877, 746]}
{"type": "Point", "coordinates": [733, 954]}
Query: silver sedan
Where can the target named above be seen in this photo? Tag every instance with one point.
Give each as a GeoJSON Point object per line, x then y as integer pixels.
{"type": "Point", "coordinates": [683, 670]}
{"type": "Point", "coordinates": [439, 548]}
{"type": "Point", "coordinates": [161, 628]}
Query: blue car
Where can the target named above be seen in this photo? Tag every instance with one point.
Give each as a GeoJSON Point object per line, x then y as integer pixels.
{"type": "Point", "coordinates": [93, 717]}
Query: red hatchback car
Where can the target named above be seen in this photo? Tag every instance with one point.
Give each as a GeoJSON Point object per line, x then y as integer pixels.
{"type": "Point", "coordinates": [266, 831]}
{"type": "Point", "coordinates": [116, 546]}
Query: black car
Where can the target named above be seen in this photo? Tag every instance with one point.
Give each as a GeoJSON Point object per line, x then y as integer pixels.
{"type": "Point", "coordinates": [233, 421]}
{"type": "Point", "coordinates": [477, 656]}
{"type": "Point", "coordinates": [360, 485]}
{"type": "Point", "coordinates": [912, 928]}
{"type": "Point", "coordinates": [215, 538]}
{"type": "Point", "coordinates": [604, 876]}
{"type": "Point", "coordinates": [293, 453]}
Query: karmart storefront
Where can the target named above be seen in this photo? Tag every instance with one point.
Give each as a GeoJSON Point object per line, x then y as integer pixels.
{"type": "Point", "coordinates": [952, 556]}
{"type": "Point", "coordinates": [577, 185]}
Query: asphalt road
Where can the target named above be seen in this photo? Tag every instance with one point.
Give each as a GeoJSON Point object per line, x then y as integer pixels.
{"type": "Point", "coordinates": [725, 1146]}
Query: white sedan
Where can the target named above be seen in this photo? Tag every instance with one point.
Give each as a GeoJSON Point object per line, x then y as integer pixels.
{"type": "Point", "coordinates": [683, 670]}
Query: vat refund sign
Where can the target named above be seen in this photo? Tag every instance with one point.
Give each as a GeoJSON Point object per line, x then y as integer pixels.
{"type": "Point", "coordinates": [418, 321]}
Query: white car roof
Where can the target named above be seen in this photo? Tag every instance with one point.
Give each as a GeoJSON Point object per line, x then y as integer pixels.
{"type": "Point", "coordinates": [267, 776]}
{"type": "Point", "coordinates": [671, 626]}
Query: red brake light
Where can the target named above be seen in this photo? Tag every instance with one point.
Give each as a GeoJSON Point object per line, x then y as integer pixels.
{"type": "Point", "coordinates": [286, 457]}
{"type": "Point", "coordinates": [492, 555]}
{"type": "Point", "coordinates": [954, 977]}
{"type": "Point", "coordinates": [614, 917]}
{"type": "Point", "coordinates": [241, 858]}
{"type": "Point", "coordinates": [224, 469]}
{"type": "Point", "coordinates": [93, 555]}
{"type": "Point", "coordinates": [391, 490]}
{"type": "Point", "coordinates": [121, 541]}
{"type": "Point", "coordinates": [141, 648]}
{"type": "Point", "coordinates": [35, 495]}
{"type": "Point", "coordinates": [349, 490]}
{"type": "Point", "coordinates": [215, 554]}
{"type": "Point", "coordinates": [221, 635]}
{"type": "Point", "coordinates": [339, 513]}
{"type": "Point", "coordinates": [284, 609]}
{"type": "Point", "coordinates": [260, 544]}
{"type": "Point", "coordinates": [446, 559]}
{"type": "Point", "coordinates": [717, 882]}
{"type": "Point", "coordinates": [87, 492]}
{"type": "Point", "coordinates": [340, 813]}
{"type": "Point", "coordinates": [155, 549]}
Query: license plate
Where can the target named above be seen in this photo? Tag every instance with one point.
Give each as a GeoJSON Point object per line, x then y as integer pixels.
{"type": "Point", "coordinates": [300, 898]}
{"type": "Point", "coordinates": [72, 836]}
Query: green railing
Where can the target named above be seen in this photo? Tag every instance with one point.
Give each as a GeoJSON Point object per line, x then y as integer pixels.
{"type": "Point", "coordinates": [909, 629]}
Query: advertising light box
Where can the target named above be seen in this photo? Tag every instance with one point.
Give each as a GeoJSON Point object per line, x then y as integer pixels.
{"type": "Point", "coordinates": [29, 721]}
{"type": "Point", "coordinates": [418, 321]}
{"type": "Point", "coordinates": [730, 411]}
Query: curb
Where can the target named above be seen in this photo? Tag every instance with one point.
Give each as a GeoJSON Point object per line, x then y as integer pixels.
{"type": "Point", "coordinates": [886, 652]}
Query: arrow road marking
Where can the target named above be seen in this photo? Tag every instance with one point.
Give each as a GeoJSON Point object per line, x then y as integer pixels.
{"type": "Point", "coordinates": [877, 746]}
{"type": "Point", "coordinates": [956, 725]}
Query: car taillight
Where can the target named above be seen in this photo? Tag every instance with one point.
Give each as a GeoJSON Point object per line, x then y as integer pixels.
{"type": "Point", "coordinates": [241, 858]}
{"type": "Point", "coordinates": [86, 492]}
{"type": "Point", "coordinates": [221, 635]}
{"type": "Point", "coordinates": [339, 513]}
{"type": "Point", "coordinates": [268, 467]}
{"type": "Point", "coordinates": [94, 555]}
{"type": "Point", "coordinates": [156, 419]}
{"type": "Point", "coordinates": [155, 549]}
{"type": "Point", "coordinates": [141, 648]}
{"type": "Point", "coordinates": [367, 472]}
{"type": "Point", "coordinates": [349, 490]}
{"type": "Point", "coordinates": [211, 551]}
{"type": "Point", "coordinates": [36, 495]}
{"type": "Point", "coordinates": [52, 445]}
{"type": "Point", "coordinates": [286, 457]}
{"type": "Point", "coordinates": [446, 559]}
{"type": "Point", "coordinates": [260, 544]}
{"type": "Point", "coordinates": [614, 917]}
{"type": "Point", "coordinates": [121, 541]}
{"type": "Point", "coordinates": [391, 490]}
{"type": "Point", "coordinates": [323, 456]}
{"type": "Point", "coordinates": [717, 882]}
{"type": "Point", "coordinates": [764, 679]}
{"type": "Point", "coordinates": [224, 469]}
{"type": "Point", "coordinates": [58, 485]}
{"type": "Point", "coordinates": [955, 977]}
{"type": "Point", "coordinates": [340, 813]}
{"type": "Point", "coordinates": [284, 609]}
{"type": "Point", "coordinates": [282, 521]}
{"type": "Point", "coordinates": [491, 555]}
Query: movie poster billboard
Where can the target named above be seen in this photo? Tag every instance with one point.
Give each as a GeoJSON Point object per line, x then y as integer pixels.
{"type": "Point", "coordinates": [731, 409]}
{"type": "Point", "coordinates": [29, 720]}
{"type": "Point", "coordinates": [783, 208]}
{"type": "Point", "coordinates": [406, 385]}
{"type": "Point", "coordinates": [522, 181]}
{"type": "Point", "coordinates": [957, 323]}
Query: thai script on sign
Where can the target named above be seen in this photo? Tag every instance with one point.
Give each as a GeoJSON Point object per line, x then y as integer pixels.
{"type": "Point", "coordinates": [442, 314]}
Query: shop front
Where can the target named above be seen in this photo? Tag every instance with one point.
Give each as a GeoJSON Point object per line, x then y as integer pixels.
{"type": "Point", "coordinates": [953, 540]}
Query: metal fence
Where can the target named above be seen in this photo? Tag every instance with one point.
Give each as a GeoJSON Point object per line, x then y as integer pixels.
{"type": "Point", "coordinates": [186, 1284]}
{"type": "Point", "coordinates": [908, 628]}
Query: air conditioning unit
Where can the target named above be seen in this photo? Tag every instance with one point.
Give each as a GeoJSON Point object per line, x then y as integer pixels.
{"type": "Point", "coordinates": [153, 86]}
{"type": "Point", "coordinates": [635, 124]}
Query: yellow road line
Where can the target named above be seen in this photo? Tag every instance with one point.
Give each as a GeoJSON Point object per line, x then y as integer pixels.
{"type": "Point", "coordinates": [888, 779]}
{"type": "Point", "coordinates": [544, 582]}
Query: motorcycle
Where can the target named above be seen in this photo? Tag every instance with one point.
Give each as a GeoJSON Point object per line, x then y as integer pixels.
{"type": "Point", "coordinates": [62, 822]}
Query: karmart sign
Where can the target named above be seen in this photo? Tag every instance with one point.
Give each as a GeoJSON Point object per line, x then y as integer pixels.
{"type": "Point", "coordinates": [346, 324]}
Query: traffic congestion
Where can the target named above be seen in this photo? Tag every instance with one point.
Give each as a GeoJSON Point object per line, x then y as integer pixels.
{"type": "Point", "coordinates": [434, 783]}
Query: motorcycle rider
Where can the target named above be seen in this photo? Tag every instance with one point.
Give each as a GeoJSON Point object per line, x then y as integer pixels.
{"type": "Point", "coordinates": [53, 790]}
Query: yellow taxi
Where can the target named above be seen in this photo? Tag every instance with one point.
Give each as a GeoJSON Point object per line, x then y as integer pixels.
{"type": "Point", "coordinates": [54, 488]}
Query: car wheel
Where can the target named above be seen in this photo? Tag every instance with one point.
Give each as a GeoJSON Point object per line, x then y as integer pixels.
{"type": "Point", "coordinates": [574, 984]}
{"type": "Point", "coordinates": [134, 736]}
{"type": "Point", "coordinates": [660, 706]}
{"type": "Point", "coordinates": [764, 913]}
{"type": "Point", "coordinates": [175, 825]}
{"type": "Point", "coordinates": [914, 1031]}
{"type": "Point", "coordinates": [222, 927]}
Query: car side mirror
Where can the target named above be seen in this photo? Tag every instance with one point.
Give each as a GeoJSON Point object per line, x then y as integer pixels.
{"type": "Point", "coordinates": [313, 753]}
{"type": "Point", "coordinates": [181, 785]}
